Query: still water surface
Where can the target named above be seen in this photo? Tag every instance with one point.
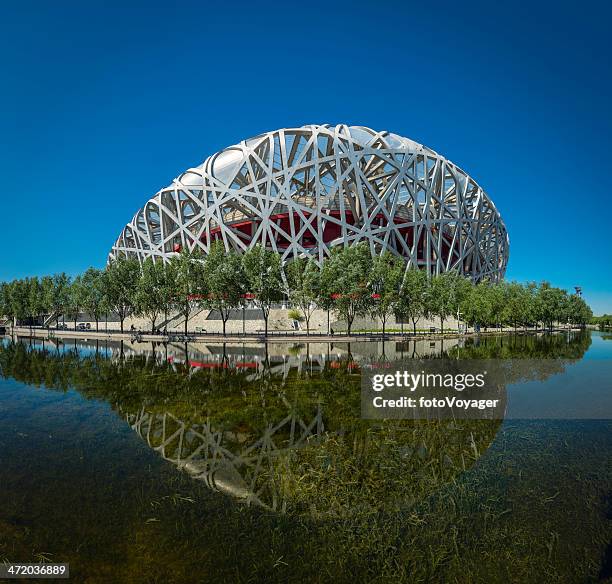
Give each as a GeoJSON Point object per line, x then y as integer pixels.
{"type": "Point", "coordinates": [245, 463]}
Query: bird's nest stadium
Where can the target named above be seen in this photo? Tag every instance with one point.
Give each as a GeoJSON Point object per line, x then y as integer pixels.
{"type": "Point", "coordinates": [303, 191]}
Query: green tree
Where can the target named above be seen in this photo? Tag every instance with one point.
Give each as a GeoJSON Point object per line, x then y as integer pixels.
{"type": "Point", "coordinates": [579, 312]}
{"type": "Point", "coordinates": [344, 279]}
{"type": "Point", "coordinates": [604, 321]}
{"type": "Point", "coordinates": [411, 302]}
{"type": "Point", "coordinates": [385, 280]}
{"type": "Point", "coordinates": [497, 298]}
{"type": "Point", "coordinates": [57, 295]}
{"type": "Point", "coordinates": [167, 290]}
{"type": "Point", "coordinates": [121, 283]}
{"type": "Point", "coordinates": [76, 299]}
{"type": "Point", "coordinates": [440, 298]}
{"type": "Point", "coordinates": [532, 304]}
{"type": "Point", "coordinates": [19, 299]}
{"type": "Point", "coordinates": [36, 300]}
{"type": "Point", "coordinates": [516, 304]}
{"type": "Point", "coordinates": [564, 309]}
{"type": "Point", "coordinates": [224, 280]}
{"type": "Point", "coordinates": [476, 306]}
{"type": "Point", "coordinates": [9, 305]}
{"type": "Point", "coordinates": [189, 287]}
{"type": "Point", "coordinates": [325, 293]}
{"type": "Point", "coordinates": [93, 298]}
{"type": "Point", "coordinates": [304, 278]}
{"type": "Point", "coordinates": [46, 287]}
{"type": "Point", "coordinates": [5, 300]}
{"type": "Point", "coordinates": [462, 287]}
{"type": "Point", "coordinates": [263, 272]}
{"type": "Point", "coordinates": [551, 304]}
{"type": "Point", "coordinates": [149, 290]}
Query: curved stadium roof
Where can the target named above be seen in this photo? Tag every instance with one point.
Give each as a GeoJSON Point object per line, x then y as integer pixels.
{"type": "Point", "coordinates": [302, 191]}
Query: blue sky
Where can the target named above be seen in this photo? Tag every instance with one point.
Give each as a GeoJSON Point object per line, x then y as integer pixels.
{"type": "Point", "coordinates": [104, 104]}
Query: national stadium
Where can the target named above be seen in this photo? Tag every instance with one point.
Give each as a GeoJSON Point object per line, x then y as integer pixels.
{"type": "Point", "coordinates": [303, 191]}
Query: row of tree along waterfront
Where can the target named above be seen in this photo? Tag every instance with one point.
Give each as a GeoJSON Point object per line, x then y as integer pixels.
{"type": "Point", "coordinates": [351, 283]}
{"type": "Point", "coordinates": [604, 322]}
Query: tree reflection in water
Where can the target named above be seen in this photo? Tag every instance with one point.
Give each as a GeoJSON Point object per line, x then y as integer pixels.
{"type": "Point", "coordinates": [279, 426]}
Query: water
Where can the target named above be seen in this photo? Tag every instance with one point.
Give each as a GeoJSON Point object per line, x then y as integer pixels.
{"type": "Point", "coordinates": [244, 463]}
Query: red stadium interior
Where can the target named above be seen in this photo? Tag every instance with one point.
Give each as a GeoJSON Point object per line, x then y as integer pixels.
{"type": "Point", "coordinates": [331, 231]}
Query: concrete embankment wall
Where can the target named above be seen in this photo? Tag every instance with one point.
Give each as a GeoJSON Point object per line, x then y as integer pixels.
{"type": "Point", "coordinates": [208, 321]}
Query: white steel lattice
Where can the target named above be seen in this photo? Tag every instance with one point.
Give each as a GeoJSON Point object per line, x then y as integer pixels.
{"type": "Point", "coordinates": [245, 471]}
{"type": "Point", "coordinates": [302, 191]}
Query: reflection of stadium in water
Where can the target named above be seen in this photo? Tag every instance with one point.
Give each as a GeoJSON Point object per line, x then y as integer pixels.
{"type": "Point", "coordinates": [279, 426]}
{"type": "Point", "coordinates": [228, 461]}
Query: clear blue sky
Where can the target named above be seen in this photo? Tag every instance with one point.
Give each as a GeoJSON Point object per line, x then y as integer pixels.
{"type": "Point", "coordinates": [102, 104]}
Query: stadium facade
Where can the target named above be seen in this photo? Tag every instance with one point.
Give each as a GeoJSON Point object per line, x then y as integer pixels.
{"type": "Point", "coordinates": [303, 191]}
